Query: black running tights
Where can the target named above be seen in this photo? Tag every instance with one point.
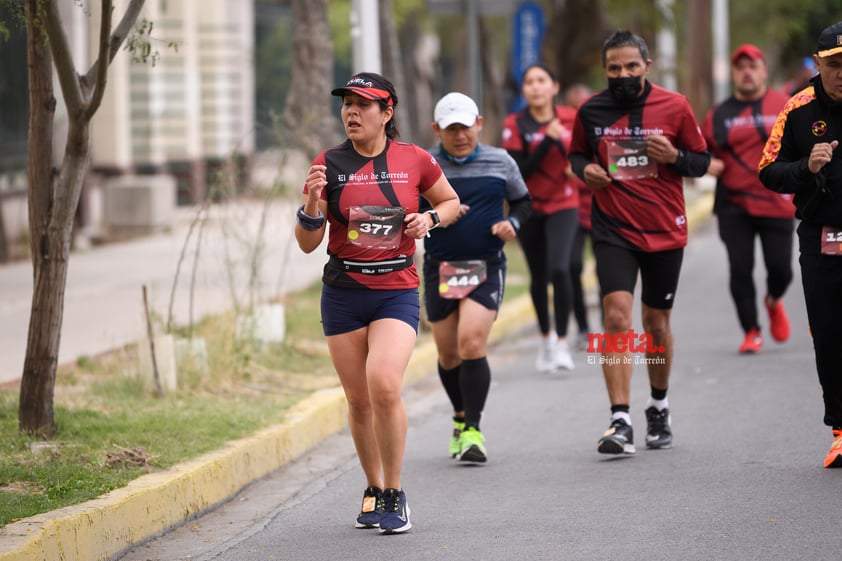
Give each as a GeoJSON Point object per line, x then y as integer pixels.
{"type": "Point", "coordinates": [547, 242]}
{"type": "Point", "coordinates": [738, 231]}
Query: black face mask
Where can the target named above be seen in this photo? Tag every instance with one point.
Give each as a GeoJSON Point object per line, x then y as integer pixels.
{"type": "Point", "coordinates": [624, 90]}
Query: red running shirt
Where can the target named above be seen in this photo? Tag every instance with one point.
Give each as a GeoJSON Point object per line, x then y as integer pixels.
{"type": "Point", "coordinates": [736, 132]}
{"type": "Point", "coordinates": [646, 213]}
{"type": "Point", "coordinates": [395, 177]}
{"type": "Point", "coordinates": [541, 163]}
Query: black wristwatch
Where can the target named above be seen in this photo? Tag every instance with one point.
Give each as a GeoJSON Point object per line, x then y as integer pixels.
{"type": "Point", "coordinates": [436, 220]}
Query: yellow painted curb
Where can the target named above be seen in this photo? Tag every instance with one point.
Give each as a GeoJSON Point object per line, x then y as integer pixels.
{"type": "Point", "coordinates": [106, 526]}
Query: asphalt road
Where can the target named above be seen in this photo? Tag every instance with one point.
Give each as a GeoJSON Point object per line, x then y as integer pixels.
{"type": "Point", "coordinates": [743, 481]}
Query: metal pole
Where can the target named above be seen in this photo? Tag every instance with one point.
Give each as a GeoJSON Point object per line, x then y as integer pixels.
{"type": "Point", "coordinates": [474, 60]}
{"type": "Point", "coordinates": [667, 45]}
{"type": "Point", "coordinates": [719, 32]}
{"type": "Point", "coordinates": [365, 36]}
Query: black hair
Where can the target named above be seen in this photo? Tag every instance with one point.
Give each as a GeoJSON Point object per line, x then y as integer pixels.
{"type": "Point", "coordinates": [391, 126]}
{"type": "Point", "coordinates": [625, 38]}
{"type": "Point", "coordinates": [543, 67]}
{"type": "Point", "coordinates": [392, 132]}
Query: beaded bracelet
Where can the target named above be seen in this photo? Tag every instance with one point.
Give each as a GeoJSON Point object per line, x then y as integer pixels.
{"type": "Point", "coordinates": [310, 223]}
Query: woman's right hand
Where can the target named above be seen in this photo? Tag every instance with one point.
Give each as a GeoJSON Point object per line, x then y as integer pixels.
{"type": "Point", "coordinates": [316, 182]}
{"type": "Point", "coordinates": [554, 129]}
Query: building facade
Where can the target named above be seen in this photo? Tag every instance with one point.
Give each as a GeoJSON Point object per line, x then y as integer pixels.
{"type": "Point", "coordinates": [184, 110]}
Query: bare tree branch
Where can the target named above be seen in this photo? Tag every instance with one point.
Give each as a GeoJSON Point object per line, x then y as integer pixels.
{"type": "Point", "coordinates": [118, 36]}
{"type": "Point", "coordinates": [101, 64]}
{"type": "Point", "coordinates": [63, 59]}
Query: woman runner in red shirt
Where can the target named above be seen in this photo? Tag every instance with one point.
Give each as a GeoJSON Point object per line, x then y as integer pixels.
{"type": "Point", "coordinates": [538, 138]}
{"type": "Point", "coordinates": [367, 189]}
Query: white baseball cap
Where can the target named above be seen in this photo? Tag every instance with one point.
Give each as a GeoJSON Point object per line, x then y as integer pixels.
{"type": "Point", "coordinates": [453, 108]}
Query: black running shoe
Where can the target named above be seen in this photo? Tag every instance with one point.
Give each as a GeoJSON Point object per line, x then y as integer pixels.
{"type": "Point", "coordinates": [618, 439]}
{"type": "Point", "coordinates": [658, 431]}
{"type": "Point", "coordinates": [395, 517]}
{"type": "Point", "coordinates": [372, 509]}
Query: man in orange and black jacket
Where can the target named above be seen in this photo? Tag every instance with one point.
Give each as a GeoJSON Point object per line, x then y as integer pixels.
{"type": "Point", "coordinates": [801, 157]}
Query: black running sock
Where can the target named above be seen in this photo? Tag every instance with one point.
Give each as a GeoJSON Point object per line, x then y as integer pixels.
{"type": "Point", "coordinates": [475, 380]}
{"type": "Point", "coordinates": [658, 395]}
{"type": "Point", "coordinates": [621, 411]}
{"type": "Point", "coordinates": [450, 381]}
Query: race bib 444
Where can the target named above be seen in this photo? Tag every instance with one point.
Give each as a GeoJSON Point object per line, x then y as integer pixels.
{"type": "Point", "coordinates": [457, 279]}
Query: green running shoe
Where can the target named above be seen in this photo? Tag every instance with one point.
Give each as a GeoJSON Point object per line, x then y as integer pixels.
{"type": "Point", "coordinates": [471, 445]}
{"type": "Point", "coordinates": [455, 446]}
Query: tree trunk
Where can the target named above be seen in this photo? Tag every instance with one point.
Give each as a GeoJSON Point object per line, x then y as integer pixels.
{"type": "Point", "coordinates": [573, 40]}
{"type": "Point", "coordinates": [390, 54]}
{"type": "Point", "coordinates": [35, 414]}
{"type": "Point", "coordinates": [42, 108]}
{"type": "Point", "coordinates": [423, 49]}
{"type": "Point", "coordinates": [493, 105]}
{"type": "Point", "coordinates": [308, 123]}
{"type": "Point", "coordinates": [50, 262]}
{"type": "Point", "coordinates": [53, 200]}
{"type": "Point", "coordinates": [697, 81]}
{"type": "Point", "coordinates": [4, 242]}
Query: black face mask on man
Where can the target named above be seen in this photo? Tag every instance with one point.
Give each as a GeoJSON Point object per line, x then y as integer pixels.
{"type": "Point", "coordinates": [625, 90]}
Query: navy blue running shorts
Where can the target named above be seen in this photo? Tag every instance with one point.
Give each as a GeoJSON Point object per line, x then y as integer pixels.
{"type": "Point", "coordinates": [348, 309]}
{"type": "Point", "coordinates": [489, 294]}
{"type": "Point", "coordinates": [617, 268]}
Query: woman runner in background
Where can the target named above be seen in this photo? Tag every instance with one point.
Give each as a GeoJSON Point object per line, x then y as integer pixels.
{"type": "Point", "coordinates": [538, 138]}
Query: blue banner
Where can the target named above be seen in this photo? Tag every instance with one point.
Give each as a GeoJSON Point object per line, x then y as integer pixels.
{"type": "Point", "coordinates": [527, 38]}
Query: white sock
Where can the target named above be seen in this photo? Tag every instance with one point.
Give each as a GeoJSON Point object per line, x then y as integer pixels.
{"type": "Point", "coordinates": [622, 415]}
{"type": "Point", "coordinates": [659, 404]}
{"type": "Point", "coordinates": [549, 341]}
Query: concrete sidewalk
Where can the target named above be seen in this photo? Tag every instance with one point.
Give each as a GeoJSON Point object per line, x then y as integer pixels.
{"type": "Point", "coordinates": [104, 310]}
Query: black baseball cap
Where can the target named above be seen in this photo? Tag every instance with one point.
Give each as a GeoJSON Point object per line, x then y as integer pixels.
{"type": "Point", "coordinates": [368, 85]}
{"type": "Point", "coordinates": [830, 41]}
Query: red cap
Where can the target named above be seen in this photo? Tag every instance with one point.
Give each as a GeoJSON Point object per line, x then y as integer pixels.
{"type": "Point", "coordinates": [747, 50]}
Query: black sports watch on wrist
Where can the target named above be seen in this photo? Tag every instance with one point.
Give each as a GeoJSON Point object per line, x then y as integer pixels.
{"type": "Point", "coordinates": [436, 220]}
